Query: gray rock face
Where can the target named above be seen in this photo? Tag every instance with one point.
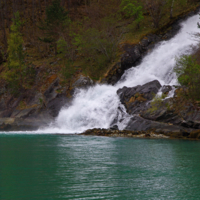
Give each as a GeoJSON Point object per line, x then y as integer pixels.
{"type": "Point", "coordinates": [41, 109]}
{"type": "Point", "coordinates": [138, 123]}
{"type": "Point", "coordinates": [18, 124]}
{"type": "Point", "coordinates": [166, 89]}
{"type": "Point", "coordinates": [83, 82]}
{"type": "Point", "coordinates": [133, 54]}
{"type": "Point", "coordinates": [51, 93]}
{"type": "Point", "coordinates": [162, 118]}
{"type": "Point", "coordinates": [135, 99]}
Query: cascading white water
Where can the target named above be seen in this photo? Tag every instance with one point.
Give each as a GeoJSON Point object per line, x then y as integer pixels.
{"type": "Point", "coordinates": [98, 106]}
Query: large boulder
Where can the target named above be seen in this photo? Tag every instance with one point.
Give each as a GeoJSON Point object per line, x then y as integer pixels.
{"type": "Point", "coordinates": [135, 99]}
{"type": "Point", "coordinates": [138, 123]}
{"type": "Point", "coordinates": [83, 82]}
{"type": "Point", "coordinates": [129, 58]}
{"type": "Point", "coordinates": [162, 111]}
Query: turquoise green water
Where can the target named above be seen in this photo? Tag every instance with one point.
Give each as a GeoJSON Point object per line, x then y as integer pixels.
{"type": "Point", "coordinates": [78, 167]}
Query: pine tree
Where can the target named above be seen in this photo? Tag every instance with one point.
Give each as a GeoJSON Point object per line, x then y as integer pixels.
{"type": "Point", "coordinates": [55, 22]}
{"type": "Point", "coordinates": [131, 8]}
{"type": "Point", "coordinates": [18, 74]}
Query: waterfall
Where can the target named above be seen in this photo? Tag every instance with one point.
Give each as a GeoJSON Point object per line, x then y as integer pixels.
{"type": "Point", "coordinates": [98, 106]}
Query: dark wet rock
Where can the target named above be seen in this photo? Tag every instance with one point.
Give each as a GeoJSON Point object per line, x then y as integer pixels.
{"type": "Point", "coordinates": [162, 116]}
{"type": "Point", "coordinates": [194, 134]}
{"type": "Point", "coordinates": [138, 123]}
{"type": "Point", "coordinates": [166, 89]}
{"type": "Point", "coordinates": [8, 107]}
{"type": "Point", "coordinates": [83, 82]}
{"type": "Point", "coordinates": [109, 132]}
{"type": "Point", "coordinates": [44, 106]}
{"type": "Point", "coordinates": [135, 99]}
{"type": "Point", "coordinates": [191, 118]}
{"type": "Point", "coordinates": [17, 124]}
{"type": "Point", "coordinates": [114, 75]}
{"type": "Point", "coordinates": [132, 57]}
{"type": "Point", "coordinates": [51, 92]}
{"type": "Point", "coordinates": [115, 127]}
{"type": "Point", "coordinates": [54, 106]}
{"type": "Point", "coordinates": [148, 42]}
{"type": "Point", "coordinates": [53, 99]}
{"type": "Point", "coordinates": [23, 113]}
{"type": "Point", "coordinates": [133, 54]}
{"type": "Point", "coordinates": [162, 112]}
{"type": "Point", "coordinates": [37, 99]}
{"type": "Point", "coordinates": [2, 104]}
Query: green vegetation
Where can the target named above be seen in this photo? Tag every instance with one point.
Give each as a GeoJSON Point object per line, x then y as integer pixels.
{"type": "Point", "coordinates": [55, 23]}
{"type": "Point", "coordinates": [66, 38]}
{"type": "Point", "coordinates": [18, 74]}
{"type": "Point", "coordinates": [157, 103]}
{"type": "Point", "coordinates": [99, 45]}
{"type": "Point", "coordinates": [131, 8]}
{"type": "Point", "coordinates": [188, 72]}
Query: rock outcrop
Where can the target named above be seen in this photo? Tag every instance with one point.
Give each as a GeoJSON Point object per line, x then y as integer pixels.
{"type": "Point", "coordinates": [136, 98]}
{"type": "Point", "coordinates": [41, 107]}
{"type": "Point", "coordinates": [161, 116]}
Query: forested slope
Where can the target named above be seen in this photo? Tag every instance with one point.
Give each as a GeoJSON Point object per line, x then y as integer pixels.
{"type": "Point", "coordinates": [45, 40]}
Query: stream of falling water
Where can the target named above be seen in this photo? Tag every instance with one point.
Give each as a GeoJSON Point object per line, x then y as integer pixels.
{"type": "Point", "coordinates": [98, 106]}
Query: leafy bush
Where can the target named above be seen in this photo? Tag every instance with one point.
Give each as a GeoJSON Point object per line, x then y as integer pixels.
{"type": "Point", "coordinates": [156, 103]}
{"type": "Point", "coordinates": [19, 74]}
{"type": "Point", "coordinates": [131, 8]}
{"type": "Point", "coordinates": [56, 21]}
{"type": "Point", "coordinates": [188, 72]}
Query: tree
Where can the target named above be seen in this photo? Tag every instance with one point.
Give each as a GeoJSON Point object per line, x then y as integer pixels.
{"type": "Point", "coordinates": [188, 72]}
{"type": "Point", "coordinates": [99, 45]}
{"type": "Point", "coordinates": [2, 19]}
{"type": "Point", "coordinates": [155, 8]}
{"type": "Point", "coordinates": [171, 5]}
{"type": "Point", "coordinates": [18, 74]}
{"type": "Point", "coordinates": [56, 20]}
{"type": "Point", "coordinates": [132, 9]}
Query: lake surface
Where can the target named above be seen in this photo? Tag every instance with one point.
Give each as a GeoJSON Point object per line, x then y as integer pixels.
{"type": "Point", "coordinates": [83, 167]}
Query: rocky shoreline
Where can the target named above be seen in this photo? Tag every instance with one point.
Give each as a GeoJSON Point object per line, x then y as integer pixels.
{"type": "Point", "coordinates": [123, 133]}
{"type": "Point", "coordinates": [194, 135]}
